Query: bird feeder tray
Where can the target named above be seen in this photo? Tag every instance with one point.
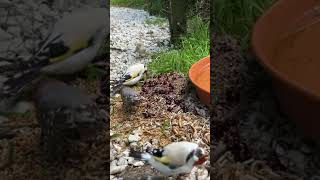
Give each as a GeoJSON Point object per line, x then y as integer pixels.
{"type": "Point", "coordinates": [285, 40]}
{"type": "Point", "coordinates": [199, 74]}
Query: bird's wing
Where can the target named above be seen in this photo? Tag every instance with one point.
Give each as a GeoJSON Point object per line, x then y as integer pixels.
{"type": "Point", "coordinates": [178, 152]}
{"type": "Point", "coordinates": [163, 159]}
{"type": "Point", "coordinates": [129, 76]}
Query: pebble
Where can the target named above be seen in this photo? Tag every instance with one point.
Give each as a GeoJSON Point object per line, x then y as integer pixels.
{"type": "Point", "coordinates": [122, 161]}
{"type": "Point", "coordinates": [113, 154]}
{"type": "Point", "coordinates": [133, 138]}
{"type": "Point", "coordinates": [23, 107]}
{"type": "Point", "coordinates": [133, 144]}
{"type": "Point", "coordinates": [117, 169]}
{"type": "Point", "coordinates": [117, 148]}
{"type": "Point", "coordinates": [130, 160]}
{"type": "Point", "coordinates": [112, 177]}
{"type": "Point", "coordinates": [126, 153]}
{"type": "Point", "coordinates": [137, 163]}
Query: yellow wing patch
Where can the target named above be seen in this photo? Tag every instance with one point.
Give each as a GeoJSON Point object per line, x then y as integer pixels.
{"type": "Point", "coordinates": [164, 159]}
{"type": "Point", "coordinates": [132, 76]}
{"type": "Point", "coordinates": [75, 46]}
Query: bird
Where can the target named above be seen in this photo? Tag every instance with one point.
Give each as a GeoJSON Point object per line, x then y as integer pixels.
{"type": "Point", "coordinates": [174, 159]}
{"type": "Point", "coordinates": [132, 76]}
{"type": "Point", "coordinates": [69, 47]}
{"type": "Point", "coordinates": [141, 50]}
{"type": "Point", "coordinates": [65, 115]}
{"type": "Point", "coordinates": [130, 98]}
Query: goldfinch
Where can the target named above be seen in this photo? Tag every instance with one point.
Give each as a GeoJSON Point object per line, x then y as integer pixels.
{"type": "Point", "coordinates": [131, 77]}
{"type": "Point", "coordinates": [69, 47]}
{"type": "Point", "coordinates": [65, 115]}
{"type": "Point", "coordinates": [174, 159]}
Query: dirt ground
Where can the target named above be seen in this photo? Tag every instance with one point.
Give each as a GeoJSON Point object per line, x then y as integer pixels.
{"type": "Point", "coordinates": [21, 157]}
{"type": "Point", "coordinates": [251, 137]}
{"type": "Point", "coordinates": [163, 117]}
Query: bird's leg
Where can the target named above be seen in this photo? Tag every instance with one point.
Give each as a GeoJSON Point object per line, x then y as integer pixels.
{"type": "Point", "coordinates": [145, 76]}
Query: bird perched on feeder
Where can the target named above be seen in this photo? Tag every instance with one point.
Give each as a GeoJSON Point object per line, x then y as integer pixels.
{"type": "Point", "coordinates": [65, 114]}
{"type": "Point", "coordinates": [131, 77]}
{"type": "Point", "coordinates": [69, 47]}
{"type": "Point", "coordinates": [174, 159]}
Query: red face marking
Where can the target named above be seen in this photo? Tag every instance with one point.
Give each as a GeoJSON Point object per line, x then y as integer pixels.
{"type": "Point", "coordinates": [201, 160]}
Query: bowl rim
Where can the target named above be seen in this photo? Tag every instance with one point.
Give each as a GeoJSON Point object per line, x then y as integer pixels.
{"type": "Point", "coordinates": [263, 60]}
{"type": "Point", "coordinates": [191, 77]}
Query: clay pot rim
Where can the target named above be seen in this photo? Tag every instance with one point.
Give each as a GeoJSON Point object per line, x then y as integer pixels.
{"type": "Point", "coordinates": [265, 62]}
{"type": "Point", "coordinates": [192, 76]}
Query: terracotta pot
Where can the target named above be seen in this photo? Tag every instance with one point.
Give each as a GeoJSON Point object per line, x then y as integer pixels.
{"type": "Point", "coordinates": [300, 103]}
{"type": "Point", "coordinates": [198, 69]}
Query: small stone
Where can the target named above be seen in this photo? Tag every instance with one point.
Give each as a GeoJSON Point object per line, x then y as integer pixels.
{"type": "Point", "coordinates": [113, 163]}
{"type": "Point", "coordinates": [117, 148]}
{"type": "Point", "coordinates": [133, 144]}
{"type": "Point", "coordinates": [130, 160]}
{"type": "Point", "coordinates": [126, 153]}
{"type": "Point", "coordinates": [113, 154]}
{"type": "Point", "coordinates": [137, 163]}
{"type": "Point", "coordinates": [122, 161]}
{"type": "Point", "coordinates": [133, 138]}
{"type": "Point", "coordinates": [155, 142]}
{"type": "Point", "coordinates": [117, 169]}
{"type": "Point", "coordinates": [112, 177]}
{"type": "Point", "coordinates": [23, 107]}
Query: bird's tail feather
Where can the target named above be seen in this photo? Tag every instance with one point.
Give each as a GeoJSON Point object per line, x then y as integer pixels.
{"type": "Point", "coordinates": [140, 155]}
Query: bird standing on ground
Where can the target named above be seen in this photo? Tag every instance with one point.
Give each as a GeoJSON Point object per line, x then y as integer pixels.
{"type": "Point", "coordinates": [131, 77]}
{"type": "Point", "coordinates": [141, 50]}
{"type": "Point", "coordinates": [65, 114]}
{"type": "Point", "coordinates": [130, 98]}
{"type": "Point", "coordinates": [69, 47]}
{"type": "Point", "coordinates": [174, 159]}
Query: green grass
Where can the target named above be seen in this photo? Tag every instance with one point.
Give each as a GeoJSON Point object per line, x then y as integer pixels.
{"type": "Point", "coordinates": [156, 21]}
{"type": "Point", "coordinates": [237, 17]}
{"type": "Point", "coordinates": [195, 45]}
{"type": "Point", "coordinates": [156, 8]}
{"type": "Point", "coordinates": [128, 3]}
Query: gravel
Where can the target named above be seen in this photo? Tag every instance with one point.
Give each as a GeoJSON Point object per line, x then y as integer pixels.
{"type": "Point", "coordinates": [129, 28]}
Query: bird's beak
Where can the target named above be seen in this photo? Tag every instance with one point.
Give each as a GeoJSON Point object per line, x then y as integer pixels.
{"type": "Point", "coordinates": [201, 160]}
